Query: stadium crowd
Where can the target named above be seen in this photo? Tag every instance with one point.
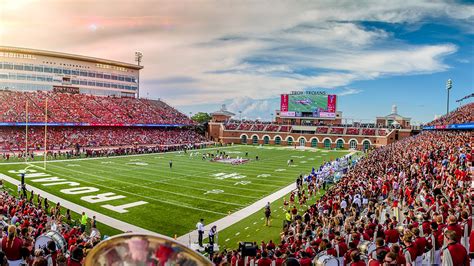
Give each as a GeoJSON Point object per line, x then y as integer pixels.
{"type": "Point", "coordinates": [463, 114]}
{"type": "Point", "coordinates": [27, 218]}
{"type": "Point", "coordinates": [82, 108]}
{"type": "Point", "coordinates": [60, 138]}
{"type": "Point", "coordinates": [408, 203]}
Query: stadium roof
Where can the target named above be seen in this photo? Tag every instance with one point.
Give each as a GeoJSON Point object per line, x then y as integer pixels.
{"type": "Point", "coordinates": [12, 49]}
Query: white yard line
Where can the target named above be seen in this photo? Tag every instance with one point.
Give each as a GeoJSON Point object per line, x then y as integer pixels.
{"type": "Point", "coordinates": [107, 220]}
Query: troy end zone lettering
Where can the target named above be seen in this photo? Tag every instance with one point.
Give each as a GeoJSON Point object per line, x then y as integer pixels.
{"type": "Point", "coordinates": [75, 189]}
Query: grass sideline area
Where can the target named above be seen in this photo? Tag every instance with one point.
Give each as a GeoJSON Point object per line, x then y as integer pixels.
{"type": "Point", "coordinates": [253, 227]}
{"type": "Point", "coordinates": [176, 197]}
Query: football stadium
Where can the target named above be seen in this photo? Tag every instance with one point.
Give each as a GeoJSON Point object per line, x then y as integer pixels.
{"type": "Point", "coordinates": [105, 161]}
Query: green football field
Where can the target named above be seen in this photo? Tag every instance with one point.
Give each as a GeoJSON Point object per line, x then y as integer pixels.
{"type": "Point", "coordinates": [144, 191]}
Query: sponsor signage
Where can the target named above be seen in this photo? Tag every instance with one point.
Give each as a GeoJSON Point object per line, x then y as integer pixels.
{"type": "Point", "coordinates": [292, 114]}
{"type": "Point", "coordinates": [327, 115]}
{"type": "Point", "coordinates": [452, 126]}
{"type": "Point", "coordinates": [89, 124]}
{"type": "Point", "coordinates": [284, 103]}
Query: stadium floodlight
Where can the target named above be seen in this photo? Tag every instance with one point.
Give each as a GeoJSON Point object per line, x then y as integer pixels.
{"type": "Point", "coordinates": [138, 59]}
{"type": "Point", "coordinates": [240, 115]}
{"type": "Point", "coordinates": [449, 86]}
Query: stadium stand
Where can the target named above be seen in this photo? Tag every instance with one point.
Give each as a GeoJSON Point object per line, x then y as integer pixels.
{"type": "Point", "coordinates": [382, 132]}
{"type": "Point", "coordinates": [407, 202]}
{"type": "Point", "coordinates": [13, 138]}
{"type": "Point", "coordinates": [352, 131]}
{"type": "Point", "coordinates": [285, 129]}
{"type": "Point", "coordinates": [461, 115]}
{"type": "Point", "coordinates": [272, 128]}
{"type": "Point", "coordinates": [337, 130]}
{"type": "Point", "coordinates": [368, 131]}
{"type": "Point", "coordinates": [322, 130]}
{"type": "Point", "coordinates": [82, 108]}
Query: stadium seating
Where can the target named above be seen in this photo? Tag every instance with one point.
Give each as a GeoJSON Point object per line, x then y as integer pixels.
{"type": "Point", "coordinates": [285, 129]}
{"type": "Point", "coordinates": [272, 128]}
{"type": "Point", "coordinates": [81, 108]}
{"type": "Point", "coordinates": [258, 127]}
{"type": "Point", "coordinates": [463, 114]}
{"type": "Point", "coordinates": [382, 132]}
{"type": "Point", "coordinates": [322, 130]}
{"type": "Point", "coordinates": [13, 138]}
{"type": "Point", "coordinates": [337, 130]}
{"type": "Point", "coordinates": [368, 131]}
{"type": "Point", "coordinates": [352, 131]}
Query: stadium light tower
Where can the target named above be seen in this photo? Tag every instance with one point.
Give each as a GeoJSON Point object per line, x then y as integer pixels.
{"type": "Point", "coordinates": [240, 114]}
{"type": "Point", "coordinates": [449, 86]}
{"type": "Point", "coordinates": [138, 59]}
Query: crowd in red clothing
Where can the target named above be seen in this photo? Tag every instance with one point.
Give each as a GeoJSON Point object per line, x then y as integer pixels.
{"type": "Point", "coordinates": [13, 138]}
{"type": "Point", "coordinates": [463, 114]}
{"type": "Point", "coordinates": [26, 218]}
{"type": "Point", "coordinates": [82, 108]}
{"type": "Point", "coordinates": [408, 203]}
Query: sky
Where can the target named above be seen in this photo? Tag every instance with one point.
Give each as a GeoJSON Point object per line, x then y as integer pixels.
{"type": "Point", "coordinates": [198, 55]}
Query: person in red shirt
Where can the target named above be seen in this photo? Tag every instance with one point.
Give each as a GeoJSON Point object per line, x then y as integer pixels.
{"type": "Point", "coordinates": [411, 250]}
{"type": "Point", "coordinates": [400, 257]}
{"type": "Point", "coordinates": [264, 261]}
{"type": "Point", "coordinates": [356, 260]}
{"type": "Point", "coordinates": [11, 246]}
{"type": "Point", "coordinates": [391, 235]}
{"type": "Point", "coordinates": [341, 249]}
{"type": "Point", "coordinates": [305, 259]}
{"type": "Point", "coordinates": [454, 253]}
{"type": "Point", "coordinates": [420, 244]}
{"type": "Point", "coordinates": [454, 226]}
{"type": "Point", "coordinates": [347, 256]}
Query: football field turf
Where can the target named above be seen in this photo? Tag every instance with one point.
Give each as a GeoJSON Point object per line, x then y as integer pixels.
{"type": "Point", "coordinates": [143, 190]}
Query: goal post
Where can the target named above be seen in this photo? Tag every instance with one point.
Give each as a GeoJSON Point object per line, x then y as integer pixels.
{"type": "Point", "coordinates": [28, 162]}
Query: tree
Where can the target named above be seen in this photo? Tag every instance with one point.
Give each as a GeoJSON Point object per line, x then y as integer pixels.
{"type": "Point", "coordinates": [201, 117]}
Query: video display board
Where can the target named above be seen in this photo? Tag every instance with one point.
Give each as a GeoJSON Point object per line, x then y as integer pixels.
{"type": "Point", "coordinates": [308, 104]}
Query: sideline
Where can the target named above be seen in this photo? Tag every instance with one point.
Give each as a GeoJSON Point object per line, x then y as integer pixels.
{"type": "Point", "coordinates": [237, 216]}
{"type": "Point", "coordinates": [112, 222]}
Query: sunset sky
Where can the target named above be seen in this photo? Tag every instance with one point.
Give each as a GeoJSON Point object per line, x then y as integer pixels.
{"type": "Point", "coordinates": [200, 54]}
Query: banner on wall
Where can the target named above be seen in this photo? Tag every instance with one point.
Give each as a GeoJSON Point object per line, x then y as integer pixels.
{"type": "Point", "coordinates": [284, 103]}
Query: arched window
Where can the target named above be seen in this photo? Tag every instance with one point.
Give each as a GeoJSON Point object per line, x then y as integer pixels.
{"type": "Point", "coordinates": [289, 141]}
{"type": "Point", "coordinates": [243, 139]}
{"type": "Point", "coordinates": [277, 140]}
{"type": "Point", "coordinates": [266, 140]}
{"type": "Point", "coordinates": [339, 144]}
{"type": "Point", "coordinates": [327, 143]}
{"type": "Point", "coordinates": [366, 144]}
{"type": "Point", "coordinates": [353, 144]}
{"type": "Point", "coordinates": [255, 140]}
{"type": "Point", "coordinates": [314, 143]}
{"type": "Point", "coordinates": [302, 142]}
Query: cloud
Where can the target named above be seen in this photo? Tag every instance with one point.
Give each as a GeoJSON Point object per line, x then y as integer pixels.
{"type": "Point", "coordinates": [349, 91]}
{"type": "Point", "coordinates": [206, 51]}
